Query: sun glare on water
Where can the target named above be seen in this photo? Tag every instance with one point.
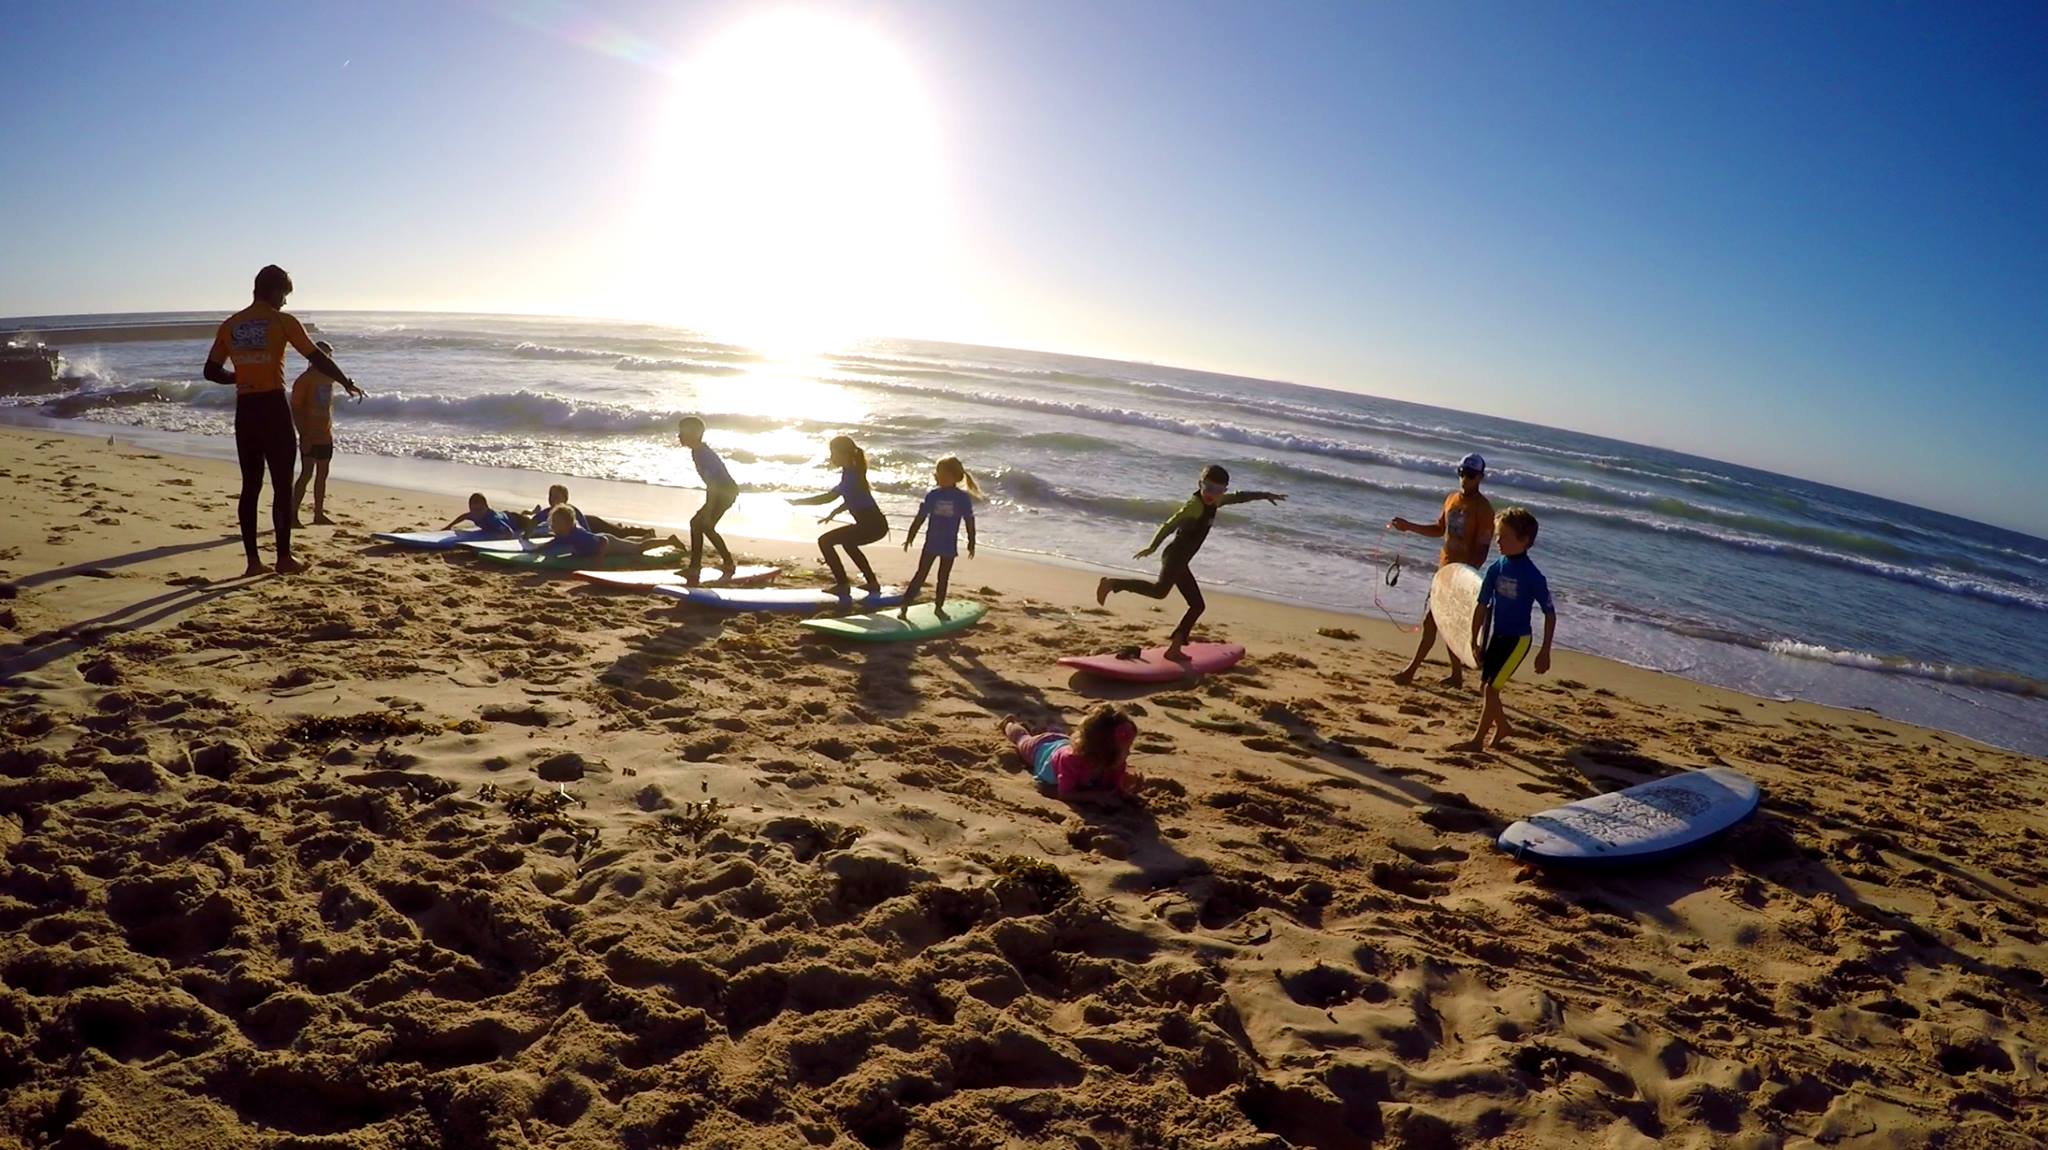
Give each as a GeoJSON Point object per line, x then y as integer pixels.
{"type": "Point", "coordinates": [797, 200]}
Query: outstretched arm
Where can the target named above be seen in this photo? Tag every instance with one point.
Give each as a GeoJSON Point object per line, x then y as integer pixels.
{"type": "Point", "coordinates": [1236, 497]}
{"type": "Point", "coordinates": [814, 500]}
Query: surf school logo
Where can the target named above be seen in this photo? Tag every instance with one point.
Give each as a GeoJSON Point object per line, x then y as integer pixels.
{"type": "Point", "coordinates": [1508, 587]}
{"type": "Point", "coordinates": [251, 335]}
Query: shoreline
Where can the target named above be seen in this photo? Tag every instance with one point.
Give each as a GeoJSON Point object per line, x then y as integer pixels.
{"type": "Point", "coordinates": [423, 482]}
{"type": "Point", "coordinates": [406, 850]}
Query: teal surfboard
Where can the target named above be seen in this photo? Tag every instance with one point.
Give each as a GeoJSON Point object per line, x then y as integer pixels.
{"type": "Point", "coordinates": [922, 622]}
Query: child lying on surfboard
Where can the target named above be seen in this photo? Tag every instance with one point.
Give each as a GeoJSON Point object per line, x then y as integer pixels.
{"type": "Point", "coordinates": [1512, 588]}
{"type": "Point", "coordinates": [1096, 759]}
{"type": "Point", "coordinates": [584, 543]}
{"type": "Point", "coordinates": [488, 522]}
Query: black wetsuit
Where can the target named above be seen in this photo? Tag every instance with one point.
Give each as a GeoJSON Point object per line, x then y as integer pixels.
{"type": "Point", "coordinates": [264, 437]}
{"type": "Point", "coordinates": [1188, 538]}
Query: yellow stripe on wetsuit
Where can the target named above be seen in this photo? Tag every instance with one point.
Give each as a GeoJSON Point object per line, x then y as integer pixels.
{"type": "Point", "coordinates": [1508, 665]}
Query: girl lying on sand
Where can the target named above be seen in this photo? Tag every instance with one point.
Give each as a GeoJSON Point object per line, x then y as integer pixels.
{"type": "Point", "coordinates": [1094, 760]}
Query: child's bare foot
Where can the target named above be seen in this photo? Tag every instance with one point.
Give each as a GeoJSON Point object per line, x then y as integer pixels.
{"type": "Point", "coordinates": [1174, 653]}
{"type": "Point", "coordinates": [692, 578]}
{"type": "Point", "coordinates": [1470, 745]}
{"type": "Point", "coordinates": [726, 572]}
{"type": "Point", "coordinates": [286, 565]}
{"type": "Point", "coordinates": [255, 567]}
{"type": "Point", "coordinates": [298, 524]}
{"type": "Point", "coordinates": [320, 520]}
{"type": "Point", "coordinates": [941, 613]}
{"type": "Point", "coordinates": [1500, 742]}
{"type": "Point", "coordinates": [1101, 592]}
{"type": "Point", "coordinates": [903, 612]}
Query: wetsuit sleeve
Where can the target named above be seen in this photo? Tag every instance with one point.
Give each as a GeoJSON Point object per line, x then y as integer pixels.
{"type": "Point", "coordinates": [1172, 521]}
{"type": "Point", "coordinates": [1237, 497]}
{"type": "Point", "coordinates": [1543, 595]}
{"type": "Point", "coordinates": [295, 334]}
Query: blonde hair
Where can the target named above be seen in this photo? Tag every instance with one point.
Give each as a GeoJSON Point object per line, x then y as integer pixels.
{"type": "Point", "coordinates": [1522, 521]}
{"type": "Point", "coordinates": [562, 518]}
{"type": "Point", "coordinates": [952, 466]}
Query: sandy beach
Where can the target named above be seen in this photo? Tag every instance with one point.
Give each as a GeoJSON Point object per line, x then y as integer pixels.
{"type": "Point", "coordinates": [404, 851]}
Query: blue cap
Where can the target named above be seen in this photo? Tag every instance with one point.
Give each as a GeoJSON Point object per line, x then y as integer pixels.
{"type": "Point", "coordinates": [1472, 464]}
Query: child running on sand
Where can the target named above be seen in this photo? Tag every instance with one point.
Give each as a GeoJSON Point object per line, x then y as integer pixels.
{"type": "Point", "coordinates": [489, 522]}
{"type": "Point", "coordinates": [1097, 759]}
{"type": "Point", "coordinates": [584, 543]}
{"type": "Point", "coordinates": [1509, 591]}
{"type": "Point", "coordinates": [947, 506]}
{"type": "Point", "coordinates": [313, 416]}
{"type": "Point", "coordinates": [1466, 526]}
{"type": "Point", "coordinates": [1189, 526]}
{"type": "Point", "coordinates": [720, 493]}
{"type": "Point", "coordinates": [869, 524]}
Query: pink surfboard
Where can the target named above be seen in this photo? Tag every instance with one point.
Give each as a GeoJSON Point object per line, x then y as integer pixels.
{"type": "Point", "coordinates": [1152, 665]}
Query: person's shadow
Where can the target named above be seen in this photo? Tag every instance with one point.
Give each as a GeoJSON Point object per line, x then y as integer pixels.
{"type": "Point", "coordinates": [40, 650]}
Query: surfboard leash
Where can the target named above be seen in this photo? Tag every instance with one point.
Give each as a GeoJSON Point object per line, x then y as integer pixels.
{"type": "Point", "coordinates": [1390, 563]}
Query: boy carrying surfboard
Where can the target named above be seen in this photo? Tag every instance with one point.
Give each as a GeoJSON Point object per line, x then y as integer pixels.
{"type": "Point", "coordinates": [1466, 526]}
{"type": "Point", "coordinates": [1510, 591]}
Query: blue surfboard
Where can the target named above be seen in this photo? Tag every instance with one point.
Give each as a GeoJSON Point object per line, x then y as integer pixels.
{"type": "Point", "coordinates": [1643, 824]}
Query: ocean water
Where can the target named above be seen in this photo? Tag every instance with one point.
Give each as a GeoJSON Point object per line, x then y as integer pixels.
{"type": "Point", "coordinates": [1745, 579]}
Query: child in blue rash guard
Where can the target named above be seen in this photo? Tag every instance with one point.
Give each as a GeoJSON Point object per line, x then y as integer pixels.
{"type": "Point", "coordinates": [720, 493]}
{"type": "Point", "coordinates": [584, 543]}
{"type": "Point", "coordinates": [1189, 526]}
{"type": "Point", "coordinates": [947, 506]}
{"type": "Point", "coordinates": [1512, 588]}
{"type": "Point", "coordinates": [488, 522]}
{"type": "Point", "coordinates": [869, 524]}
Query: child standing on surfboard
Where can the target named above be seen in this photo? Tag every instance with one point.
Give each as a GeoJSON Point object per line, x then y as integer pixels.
{"type": "Point", "coordinates": [1466, 526]}
{"type": "Point", "coordinates": [947, 506]}
{"type": "Point", "coordinates": [1509, 592]}
{"type": "Point", "coordinates": [1189, 526]}
{"type": "Point", "coordinates": [720, 493]}
{"type": "Point", "coordinates": [869, 524]}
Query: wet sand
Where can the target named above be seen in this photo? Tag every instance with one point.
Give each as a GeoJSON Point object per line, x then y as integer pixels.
{"type": "Point", "coordinates": [406, 851]}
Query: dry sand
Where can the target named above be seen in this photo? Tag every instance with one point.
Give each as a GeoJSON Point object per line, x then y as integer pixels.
{"type": "Point", "coordinates": [407, 852]}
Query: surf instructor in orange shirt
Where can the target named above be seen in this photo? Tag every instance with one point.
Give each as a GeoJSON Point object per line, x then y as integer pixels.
{"type": "Point", "coordinates": [1466, 527]}
{"type": "Point", "coordinates": [254, 340]}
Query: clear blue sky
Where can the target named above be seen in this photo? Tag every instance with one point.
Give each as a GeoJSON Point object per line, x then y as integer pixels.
{"type": "Point", "coordinates": [1811, 238]}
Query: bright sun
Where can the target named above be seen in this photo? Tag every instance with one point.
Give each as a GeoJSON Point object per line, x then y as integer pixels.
{"type": "Point", "coordinates": [797, 199]}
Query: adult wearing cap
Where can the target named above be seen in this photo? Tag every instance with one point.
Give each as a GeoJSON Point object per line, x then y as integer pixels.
{"type": "Point", "coordinates": [1466, 526]}
{"type": "Point", "coordinates": [254, 340]}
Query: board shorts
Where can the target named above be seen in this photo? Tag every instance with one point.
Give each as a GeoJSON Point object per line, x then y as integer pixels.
{"type": "Point", "coordinates": [1039, 750]}
{"type": "Point", "coordinates": [1503, 655]}
{"type": "Point", "coordinates": [317, 451]}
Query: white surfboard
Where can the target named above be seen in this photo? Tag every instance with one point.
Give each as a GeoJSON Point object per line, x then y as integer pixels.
{"type": "Point", "coordinates": [1453, 599]}
{"type": "Point", "coordinates": [804, 599]}
{"type": "Point", "coordinates": [1642, 824]}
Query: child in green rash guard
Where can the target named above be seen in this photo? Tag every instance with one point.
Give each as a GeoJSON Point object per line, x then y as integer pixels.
{"type": "Point", "coordinates": [1189, 526]}
{"type": "Point", "coordinates": [1509, 593]}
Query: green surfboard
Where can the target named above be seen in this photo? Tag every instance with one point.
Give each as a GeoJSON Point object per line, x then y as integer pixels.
{"type": "Point", "coordinates": [885, 627]}
{"type": "Point", "coordinates": [616, 561]}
